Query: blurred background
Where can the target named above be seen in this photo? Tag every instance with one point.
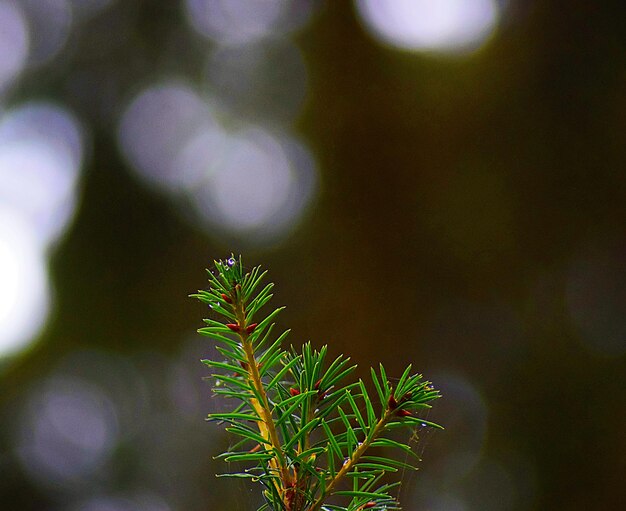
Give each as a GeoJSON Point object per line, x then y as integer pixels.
{"type": "Point", "coordinates": [434, 181]}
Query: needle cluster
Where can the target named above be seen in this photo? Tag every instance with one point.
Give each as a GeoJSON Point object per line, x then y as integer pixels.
{"type": "Point", "coordinates": [312, 441]}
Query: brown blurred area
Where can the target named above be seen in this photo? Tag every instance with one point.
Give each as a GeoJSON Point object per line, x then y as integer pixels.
{"type": "Point", "coordinates": [464, 212]}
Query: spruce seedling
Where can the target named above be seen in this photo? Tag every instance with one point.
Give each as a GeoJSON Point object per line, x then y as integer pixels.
{"type": "Point", "coordinates": [312, 441]}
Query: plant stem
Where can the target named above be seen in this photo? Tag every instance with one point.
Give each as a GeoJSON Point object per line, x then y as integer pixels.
{"type": "Point", "coordinates": [266, 426]}
{"type": "Point", "coordinates": [348, 465]}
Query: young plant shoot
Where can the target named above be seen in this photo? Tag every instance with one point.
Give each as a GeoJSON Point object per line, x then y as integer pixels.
{"type": "Point", "coordinates": [313, 441]}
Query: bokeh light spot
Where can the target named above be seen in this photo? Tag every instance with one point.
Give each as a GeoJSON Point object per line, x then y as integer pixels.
{"type": "Point", "coordinates": [257, 186]}
{"type": "Point", "coordinates": [68, 431]}
{"type": "Point", "coordinates": [431, 25]}
{"type": "Point", "coordinates": [50, 23]}
{"type": "Point", "coordinates": [251, 182]}
{"type": "Point", "coordinates": [123, 382]}
{"type": "Point", "coordinates": [245, 181]}
{"type": "Point", "coordinates": [155, 127]}
{"type": "Point", "coordinates": [13, 42]}
{"type": "Point", "coordinates": [24, 293]}
{"type": "Point", "coordinates": [41, 152]}
{"type": "Point", "coordinates": [241, 21]}
{"type": "Point", "coordinates": [146, 502]}
{"type": "Point", "coordinates": [49, 123]}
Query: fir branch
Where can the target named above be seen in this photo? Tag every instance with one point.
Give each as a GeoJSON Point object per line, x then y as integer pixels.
{"type": "Point", "coordinates": [294, 397]}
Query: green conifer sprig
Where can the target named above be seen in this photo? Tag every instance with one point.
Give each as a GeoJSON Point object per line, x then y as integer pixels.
{"type": "Point", "coordinates": [312, 441]}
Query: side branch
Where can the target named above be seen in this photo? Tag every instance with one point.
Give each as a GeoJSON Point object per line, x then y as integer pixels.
{"type": "Point", "coordinates": [354, 459]}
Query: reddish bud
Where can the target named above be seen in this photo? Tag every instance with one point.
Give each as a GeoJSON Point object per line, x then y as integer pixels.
{"type": "Point", "coordinates": [250, 328]}
{"type": "Point", "coordinates": [226, 298]}
{"type": "Point", "coordinates": [369, 505]}
{"type": "Point", "coordinates": [392, 403]}
{"type": "Point", "coordinates": [293, 391]}
{"type": "Point", "coordinates": [403, 413]}
{"type": "Point", "coordinates": [244, 365]}
{"type": "Point", "coordinates": [406, 397]}
{"type": "Point", "coordinates": [321, 394]}
{"type": "Point", "coordinates": [234, 327]}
